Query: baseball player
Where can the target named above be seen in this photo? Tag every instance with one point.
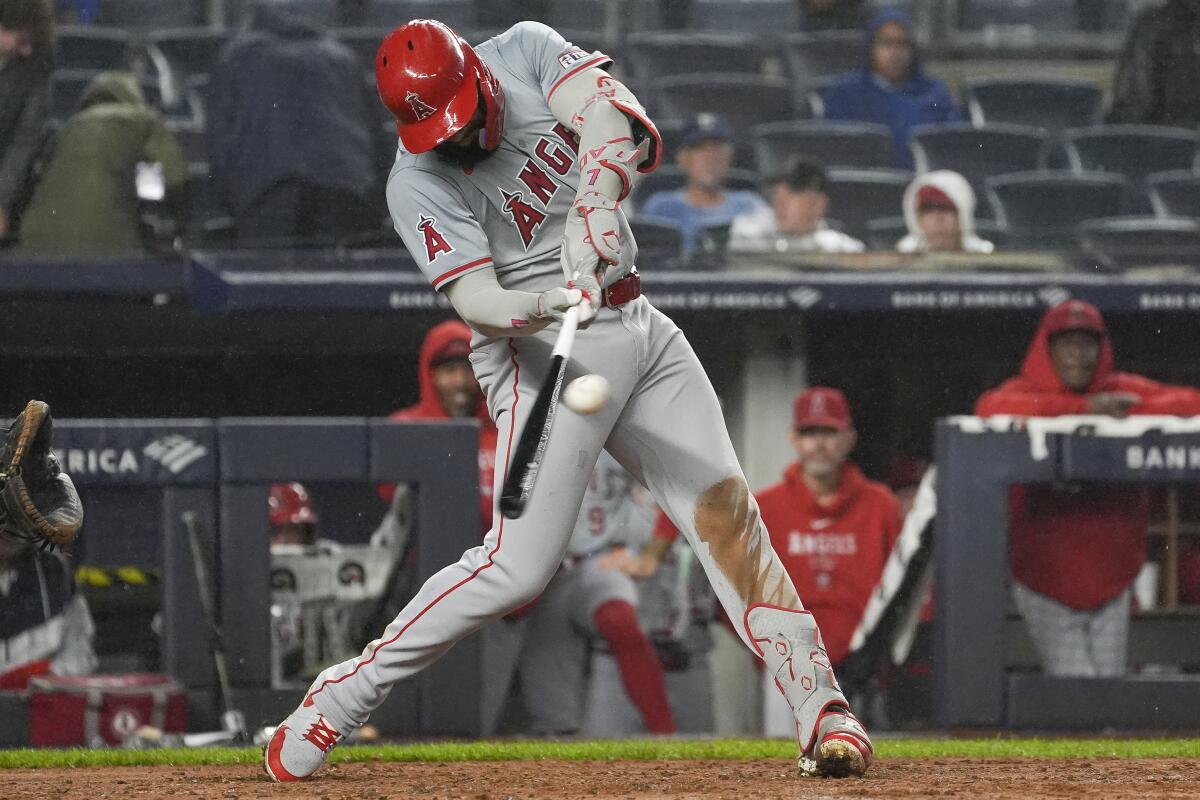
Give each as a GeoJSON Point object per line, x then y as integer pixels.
{"type": "Point", "coordinates": [586, 601]}
{"type": "Point", "coordinates": [514, 159]}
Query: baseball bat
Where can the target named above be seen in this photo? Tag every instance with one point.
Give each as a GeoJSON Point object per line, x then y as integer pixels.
{"type": "Point", "coordinates": [527, 461]}
{"type": "Point", "coordinates": [232, 720]}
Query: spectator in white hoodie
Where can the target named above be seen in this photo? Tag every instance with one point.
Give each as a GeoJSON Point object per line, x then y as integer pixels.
{"type": "Point", "coordinates": [939, 208]}
{"type": "Point", "coordinates": [795, 222]}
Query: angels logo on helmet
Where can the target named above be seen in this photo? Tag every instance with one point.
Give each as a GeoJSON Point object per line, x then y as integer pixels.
{"type": "Point", "coordinates": [420, 109]}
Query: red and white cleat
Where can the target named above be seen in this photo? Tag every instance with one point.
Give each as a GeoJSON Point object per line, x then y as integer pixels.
{"type": "Point", "coordinates": [299, 745]}
{"type": "Point", "coordinates": [843, 750]}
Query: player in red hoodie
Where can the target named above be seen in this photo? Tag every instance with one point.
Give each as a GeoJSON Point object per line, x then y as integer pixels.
{"type": "Point", "coordinates": [449, 391]}
{"type": "Point", "coordinates": [1074, 551]}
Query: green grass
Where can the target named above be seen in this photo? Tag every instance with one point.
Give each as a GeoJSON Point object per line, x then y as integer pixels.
{"type": "Point", "coordinates": [635, 750]}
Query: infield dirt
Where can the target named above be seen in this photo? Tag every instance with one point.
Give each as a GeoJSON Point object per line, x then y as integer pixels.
{"type": "Point", "coordinates": [1018, 779]}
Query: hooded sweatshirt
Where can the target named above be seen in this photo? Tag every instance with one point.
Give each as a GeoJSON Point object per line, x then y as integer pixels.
{"type": "Point", "coordinates": [833, 552]}
{"type": "Point", "coordinates": [862, 96]}
{"type": "Point", "coordinates": [287, 101]}
{"type": "Point", "coordinates": [429, 406]}
{"type": "Point", "coordinates": [1079, 545]}
{"type": "Point", "coordinates": [959, 191]}
{"type": "Point", "coordinates": [86, 203]}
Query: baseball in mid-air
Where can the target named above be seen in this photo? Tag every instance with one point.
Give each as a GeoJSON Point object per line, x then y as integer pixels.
{"type": "Point", "coordinates": [587, 394]}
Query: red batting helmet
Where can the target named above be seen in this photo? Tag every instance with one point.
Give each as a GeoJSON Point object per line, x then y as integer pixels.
{"type": "Point", "coordinates": [289, 504]}
{"type": "Point", "coordinates": [431, 80]}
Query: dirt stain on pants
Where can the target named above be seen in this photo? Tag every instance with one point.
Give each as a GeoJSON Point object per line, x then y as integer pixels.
{"type": "Point", "coordinates": [727, 520]}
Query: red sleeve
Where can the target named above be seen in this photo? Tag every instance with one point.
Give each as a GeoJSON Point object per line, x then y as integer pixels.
{"type": "Point", "coordinates": [1018, 398]}
{"type": "Point", "coordinates": [664, 528]}
{"type": "Point", "coordinates": [1160, 398]}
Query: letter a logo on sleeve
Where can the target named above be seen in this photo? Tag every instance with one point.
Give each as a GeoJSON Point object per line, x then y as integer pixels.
{"type": "Point", "coordinates": [420, 109]}
{"type": "Point", "coordinates": [435, 243]}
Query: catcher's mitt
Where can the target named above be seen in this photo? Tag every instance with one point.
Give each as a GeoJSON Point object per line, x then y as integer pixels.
{"type": "Point", "coordinates": [38, 501]}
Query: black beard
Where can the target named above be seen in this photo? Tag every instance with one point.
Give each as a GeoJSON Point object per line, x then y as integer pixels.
{"type": "Point", "coordinates": [461, 155]}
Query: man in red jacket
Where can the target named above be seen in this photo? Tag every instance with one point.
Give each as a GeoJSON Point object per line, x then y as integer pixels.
{"type": "Point", "coordinates": [449, 391]}
{"type": "Point", "coordinates": [1074, 551]}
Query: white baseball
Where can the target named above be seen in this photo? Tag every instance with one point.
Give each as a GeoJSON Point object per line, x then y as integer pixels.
{"type": "Point", "coordinates": [587, 394]}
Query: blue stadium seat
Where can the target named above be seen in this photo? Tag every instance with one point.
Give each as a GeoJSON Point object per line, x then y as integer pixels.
{"type": "Point", "coordinates": [1175, 193]}
{"type": "Point", "coordinates": [658, 240]}
{"type": "Point", "coordinates": [1044, 209]}
{"type": "Point", "coordinates": [188, 51]}
{"type": "Point", "coordinates": [365, 43]}
{"type": "Point", "coordinates": [746, 100]}
{"type": "Point", "coordinates": [812, 56]}
{"type": "Point", "coordinates": [774, 17]}
{"type": "Point", "coordinates": [1124, 242]}
{"type": "Point", "coordinates": [1042, 15]}
{"type": "Point", "coordinates": [193, 140]}
{"type": "Point", "coordinates": [828, 143]}
{"type": "Point", "coordinates": [857, 196]}
{"type": "Point", "coordinates": [658, 54]}
{"type": "Point", "coordinates": [94, 48]}
{"type": "Point", "coordinates": [145, 15]}
{"type": "Point", "coordinates": [1053, 105]}
{"type": "Point", "coordinates": [458, 14]}
{"type": "Point", "coordinates": [1134, 151]}
{"type": "Point", "coordinates": [977, 153]}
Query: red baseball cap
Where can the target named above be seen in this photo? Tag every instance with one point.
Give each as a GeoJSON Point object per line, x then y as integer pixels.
{"type": "Point", "coordinates": [1074, 315]}
{"type": "Point", "coordinates": [822, 407]}
{"type": "Point", "coordinates": [933, 197]}
{"type": "Point", "coordinates": [450, 351]}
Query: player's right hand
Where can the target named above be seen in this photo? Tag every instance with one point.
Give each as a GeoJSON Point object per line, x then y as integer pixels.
{"type": "Point", "coordinates": [1113, 404]}
{"type": "Point", "coordinates": [553, 304]}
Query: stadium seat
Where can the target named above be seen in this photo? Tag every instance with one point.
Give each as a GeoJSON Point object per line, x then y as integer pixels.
{"type": "Point", "coordinates": [668, 177]}
{"type": "Point", "coordinates": [1124, 242]}
{"type": "Point", "coordinates": [92, 48]}
{"type": "Point", "coordinates": [1044, 209]}
{"type": "Point", "coordinates": [811, 56]}
{"type": "Point", "coordinates": [830, 144]}
{"type": "Point", "coordinates": [458, 14]}
{"type": "Point", "coordinates": [1175, 193]}
{"type": "Point", "coordinates": [365, 43]}
{"type": "Point", "coordinates": [746, 100]}
{"type": "Point", "coordinates": [192, 140]}
{"type": "Point", "coordinates": [187, 52]}
{"type": "Point", "coordinates": [658, 54]}
{"type": "Point", "coordinates": [884, 234]}
{"type": "Point", "coordinates": [145, 15]}
{"type": "Point", "coordinates": [1053, 105]}
{"type": "Point", "coordinates": [773, 17]}
{"type": "Point", "coordinates": [1041, 15]}
{"type": "Point", "coordinates": [857, 196]}
{"type": "Point", "coordinates": [1134, 151]}
{"type": "Point", "coordinates": [658, 240]}
{"type": "Point", "coordinates": [978, 153]}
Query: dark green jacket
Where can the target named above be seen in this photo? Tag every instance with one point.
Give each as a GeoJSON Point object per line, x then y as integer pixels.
{"type": "Point", "coordinates": [86, 202]}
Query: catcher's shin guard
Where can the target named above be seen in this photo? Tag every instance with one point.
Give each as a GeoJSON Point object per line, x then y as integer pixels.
{"type": "Point", "coordinates": [832, 741]}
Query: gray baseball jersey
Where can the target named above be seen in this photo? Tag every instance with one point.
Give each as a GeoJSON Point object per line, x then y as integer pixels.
{"type": "Point", "coordinates": [613, 512]}
{"type": "Point", "coordinates": [662, 422]}
{"type": "Point", "coordinates": [508, 211]}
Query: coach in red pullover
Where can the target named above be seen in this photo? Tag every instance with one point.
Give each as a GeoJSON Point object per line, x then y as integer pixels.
{"type": "Point", "coordinates": [831, 526]}
{"type": "Point", "coordinates": [1075, 551]}
{"type": "Point", "coordinates": [449, 391]}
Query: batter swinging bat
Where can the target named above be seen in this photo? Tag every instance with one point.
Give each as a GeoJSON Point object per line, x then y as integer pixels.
{"type": "Point", "coordinates": [532, 445]}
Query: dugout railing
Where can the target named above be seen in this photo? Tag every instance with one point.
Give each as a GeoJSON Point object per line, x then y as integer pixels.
{"type": "Point", "coordinates": [978, 460]}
